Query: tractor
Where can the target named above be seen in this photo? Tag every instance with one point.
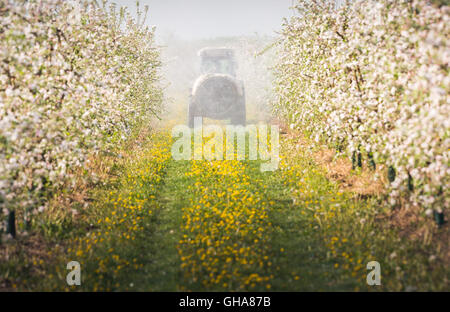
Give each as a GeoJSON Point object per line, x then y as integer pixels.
{"type": "Point", "coordinates": [217, 93]}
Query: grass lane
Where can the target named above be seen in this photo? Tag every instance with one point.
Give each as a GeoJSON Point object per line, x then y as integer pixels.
{"type": "Point", "coordinates": [166, 225]}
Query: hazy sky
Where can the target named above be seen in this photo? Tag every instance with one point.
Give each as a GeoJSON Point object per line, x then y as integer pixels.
{"type": "Point", "coordinates": [194, 19]}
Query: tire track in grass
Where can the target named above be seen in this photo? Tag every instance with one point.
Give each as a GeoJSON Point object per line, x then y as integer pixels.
{"type": "Point", "coordinates": [164, 272]}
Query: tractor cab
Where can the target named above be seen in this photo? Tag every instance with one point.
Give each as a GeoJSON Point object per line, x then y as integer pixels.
{"type": "Point", "coordinates": [217, 61]}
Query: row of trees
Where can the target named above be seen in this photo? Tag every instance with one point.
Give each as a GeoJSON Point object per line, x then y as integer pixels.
{"type": "Point", "coordinates": [76, 77]}
{"type": "Point", "coordinates": [372, 78]}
